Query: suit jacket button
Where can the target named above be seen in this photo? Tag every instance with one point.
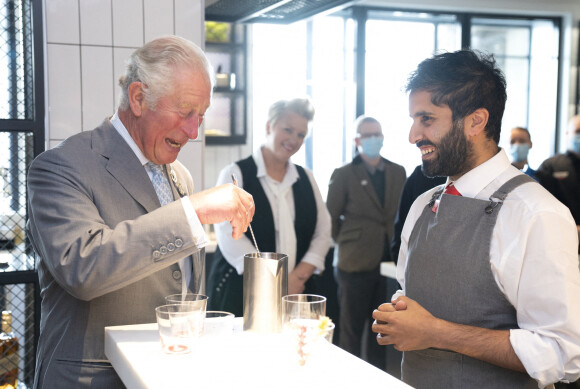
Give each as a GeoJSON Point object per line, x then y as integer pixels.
{"type": "Point", "coordinates": [176, 275]}
{"type": "Point", "coordinates": [163, 250]}
{"type": "Point", "coordinates": [156, 254]}
{"type": "Point", "coordinates": [170, 247]}
{"type": "Point", "coordinates": [178, 243]}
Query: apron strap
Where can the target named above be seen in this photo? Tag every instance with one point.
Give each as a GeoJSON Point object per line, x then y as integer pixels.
{"type": "Point", "coordinates": [500, 195]}
{"type": "Point", "coordinates": [436, 195]}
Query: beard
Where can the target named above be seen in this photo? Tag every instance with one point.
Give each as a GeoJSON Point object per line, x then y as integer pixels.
{"type": "Point", "coordinates": [454, 154]}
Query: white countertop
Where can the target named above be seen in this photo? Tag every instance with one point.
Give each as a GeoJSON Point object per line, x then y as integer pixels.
{"type": "Point", "coordinates": [242, 360]}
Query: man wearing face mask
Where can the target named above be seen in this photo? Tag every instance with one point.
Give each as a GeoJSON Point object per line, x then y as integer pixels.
{"type": "Point", "coordinates": [520, 145]}
{"type": "Point", "coordinates": [560, 174]}
{"type": "Point", "coordinates": [363, 198]}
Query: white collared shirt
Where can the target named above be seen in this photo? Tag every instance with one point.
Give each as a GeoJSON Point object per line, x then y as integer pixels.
{"type": "Point", "coordinates": [534, 260]}
{"type": "Point", "coordinates": [197, 230]}
{"type": "Point", "coordinates": [234, 250]}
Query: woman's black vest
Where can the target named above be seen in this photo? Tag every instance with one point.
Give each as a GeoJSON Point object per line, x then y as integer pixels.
{"type": "Point", "coordinates": [224, 285]}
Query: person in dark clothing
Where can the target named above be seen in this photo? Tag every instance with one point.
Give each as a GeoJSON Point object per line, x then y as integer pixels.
{"type": "Point", "coordinates": [291, 216]}
{"type": "Point", "coordinates": [488, 267]}
{"type": "Point", "coordinates": [416, 184]}
{"type": "Point", "coordinates": [363, 200]}
{"type": "Point", "coordinates": [560, 174]}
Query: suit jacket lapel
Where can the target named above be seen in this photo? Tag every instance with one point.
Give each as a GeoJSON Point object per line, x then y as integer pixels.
{"type": "Point", "coordinates": [175, 181]}
{"type": "Point", "coordinates": [124, 165]}
{"type": "Point", "coordinates": [389, 194]}
{"type": "Point", "coordinates": [364, 180]}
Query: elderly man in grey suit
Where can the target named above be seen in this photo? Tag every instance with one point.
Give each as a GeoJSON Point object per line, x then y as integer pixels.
{"type": "Point", "coordinates": [363, 198]}
{"type": "Point", "coordinates": [109, 250]}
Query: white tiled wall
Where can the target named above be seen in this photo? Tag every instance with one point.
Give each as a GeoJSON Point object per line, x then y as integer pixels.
{"type": "Point", "coordinates": [128, 22]}
{"type": "Point", "coordinates": [95, 19]}
{"type": "Point", "coordinates": [87, 42]}
{"type": "Point", "coordinates": [217, 157]}
{"type": "Point", "coordinates": [157, 18]}
{"type": "Point", "coordinates": [97, 84]}
{"type": "Point", "coordinates": [64, 90]}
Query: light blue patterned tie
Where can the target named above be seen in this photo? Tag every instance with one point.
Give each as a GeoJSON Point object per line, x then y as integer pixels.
{"type": "Point", "coordinates": [160, 183]}
{"type": "Point", "coordinates": [165, 195]}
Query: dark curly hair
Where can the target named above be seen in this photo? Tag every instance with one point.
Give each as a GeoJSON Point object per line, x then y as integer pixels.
{"type": "Point", "coordinates": [465, 80]}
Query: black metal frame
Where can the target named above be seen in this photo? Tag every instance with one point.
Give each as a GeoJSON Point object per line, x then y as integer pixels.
{"type": "Point", "coordinates": [34, 122]}
{"type": "Point", "coordinates": [270, 11]}
{"type": "Point", "coordinates": [360, 14]}
{"type": "Point", "coordinates": [238, 46]}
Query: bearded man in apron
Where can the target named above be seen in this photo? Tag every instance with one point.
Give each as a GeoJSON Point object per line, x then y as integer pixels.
{"type": "Point", "coordinates": [488, 264]}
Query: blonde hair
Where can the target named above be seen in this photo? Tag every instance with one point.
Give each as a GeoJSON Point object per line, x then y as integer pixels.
{"type": "Point", "coordinates": [299, 106]}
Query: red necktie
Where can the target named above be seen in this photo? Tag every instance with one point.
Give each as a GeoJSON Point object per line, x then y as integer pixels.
{"type": "Point", "coordinates": [452, 190]}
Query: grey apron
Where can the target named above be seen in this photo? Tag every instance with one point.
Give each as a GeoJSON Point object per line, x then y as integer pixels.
{"type": "Point", "coordinates": [448, 272]}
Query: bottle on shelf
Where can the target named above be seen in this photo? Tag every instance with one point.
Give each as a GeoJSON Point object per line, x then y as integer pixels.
{"type": "Point", "coordinates": [8, 353]}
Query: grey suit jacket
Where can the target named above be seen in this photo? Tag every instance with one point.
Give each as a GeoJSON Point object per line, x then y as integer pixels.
{"type": "Point", "coordinates": [96, 224]}
{"type": "Point", "coordinates": [360, 223]}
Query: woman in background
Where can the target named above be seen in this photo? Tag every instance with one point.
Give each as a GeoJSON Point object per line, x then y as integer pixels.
{"type": "Point", "coordinates": [291, 217]}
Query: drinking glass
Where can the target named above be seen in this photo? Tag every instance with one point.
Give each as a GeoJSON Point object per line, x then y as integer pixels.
{"type": "Point", "coordinates": [196, 299]}
{"type": "Point", "coordinates": [302, 307]}
{"type": "Point", "coordinates": [218, 323]}
{"type": "Point", "coordinates": [305, 323]}
{"type": "Point", "coordinates": [179, 326]}
{"type": "Point", "coordinates": [328, 332]}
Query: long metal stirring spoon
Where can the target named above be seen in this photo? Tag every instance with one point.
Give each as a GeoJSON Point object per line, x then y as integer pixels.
{"type": "Point", "coordinates": [235, 181]}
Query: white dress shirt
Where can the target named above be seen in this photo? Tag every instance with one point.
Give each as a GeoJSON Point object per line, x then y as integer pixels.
{"type": "Point", "coordinates": [197, 230]}
{"type": "Point", "coordinates": [534, 260]}
{"type": "Point", "coordinates": [281, 199]}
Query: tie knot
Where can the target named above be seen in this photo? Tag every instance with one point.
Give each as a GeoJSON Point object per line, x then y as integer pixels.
{"type": "Point", "coordinates": [154, 168]}
{"type": "Point", "coordinates": [452, 190]}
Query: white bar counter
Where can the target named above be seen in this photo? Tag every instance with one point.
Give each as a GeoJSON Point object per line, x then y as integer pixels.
{"type": "Point", "coordinates": [242, 360]}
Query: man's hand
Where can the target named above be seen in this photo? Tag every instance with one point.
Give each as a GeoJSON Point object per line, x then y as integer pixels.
{"type": "Point", "coordinates": [408, 326]}
{"type": "Point", "coordinates": [225, 203]}
{"type": "Point", "coordinates": [405, 324]}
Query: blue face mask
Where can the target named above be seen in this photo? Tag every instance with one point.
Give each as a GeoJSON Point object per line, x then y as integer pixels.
{"type": "Point", "coordinates": [576, 144]}
{"type": "Point", "coordinates": [371, 147]}
{"type": "Point", "coordinates": [519, 152]}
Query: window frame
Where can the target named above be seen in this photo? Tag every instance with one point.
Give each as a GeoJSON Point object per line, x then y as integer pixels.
{"type": "Point", "coordinates": [33, 123]}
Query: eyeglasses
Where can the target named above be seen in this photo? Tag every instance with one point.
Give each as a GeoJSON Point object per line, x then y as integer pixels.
{"type": "Point", "coordinates": [370, 135]}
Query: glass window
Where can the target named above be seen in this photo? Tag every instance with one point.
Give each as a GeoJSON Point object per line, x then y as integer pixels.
{"type": "Point", "coordinates": [319, 58]}
{"type": "Point", "coordinates": [16, 143]}
{"type": "Point", "coordinates": [278, 70]}
{"type": "Point", "coordinates": [395, 44]}
{"type": "Point", "coordinates": [310, 58]}
{"type": "Point", "coordinates": [15, 61]}
{"type": "Point", "coordinates": [22, 124]}
{"type": "Point", "coordinates": [527, 52]}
